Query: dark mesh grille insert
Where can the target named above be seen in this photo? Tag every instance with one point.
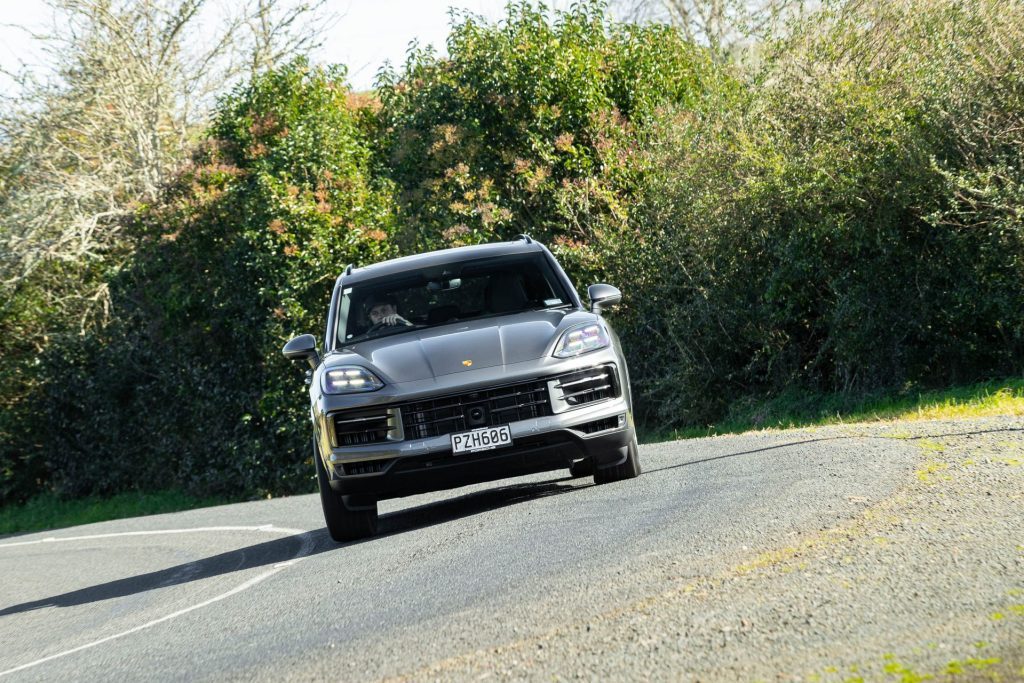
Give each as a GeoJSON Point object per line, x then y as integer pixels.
{"type": "Point", "coordinates": [485, 408]}
{"type": "Point", "coordinates": [366, 467]}
{"type": "Point", "coordinates": [589, 385]}
{"type": "Point", "coordinates": [598, 425]}
{"type": "Point", "coordinates": [357, 427]}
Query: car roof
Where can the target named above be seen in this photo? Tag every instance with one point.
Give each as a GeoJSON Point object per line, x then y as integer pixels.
{"type": "Point", "coordinates": [432, 259]}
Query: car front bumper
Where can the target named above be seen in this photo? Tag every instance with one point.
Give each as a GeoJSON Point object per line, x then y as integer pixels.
{"type": "Point", "coordinates": [600, 431]}
{"type": "Point", "coordinates": [543, 452]}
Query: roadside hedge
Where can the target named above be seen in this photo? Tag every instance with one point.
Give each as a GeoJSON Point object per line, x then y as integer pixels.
{"type": "Point", "coordinates": [187, 387]}
{"type": "Point", "coordinates": [533, 125]}
{"type": "Point", "coordinates": [847, 218]}
{"type": "Point", "coordinates": [853, 223]}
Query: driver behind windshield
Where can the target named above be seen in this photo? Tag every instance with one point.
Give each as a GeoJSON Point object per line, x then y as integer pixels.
{"type": "Point", "coordinates": [383, 311]}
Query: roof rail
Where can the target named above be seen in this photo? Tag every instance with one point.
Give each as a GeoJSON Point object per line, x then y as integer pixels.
{"type": "Point", "coordinates": [524, 237]}
{"type": "Point", "coordinates": [348, 269]}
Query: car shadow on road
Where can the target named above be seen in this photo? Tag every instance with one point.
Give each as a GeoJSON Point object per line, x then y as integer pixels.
{"type": "Point", "coordinates": [466, 505]}
{"type": "Point", "coordinates": [298, 546]}
{"type": "Point", "coordinates": [249, 557]}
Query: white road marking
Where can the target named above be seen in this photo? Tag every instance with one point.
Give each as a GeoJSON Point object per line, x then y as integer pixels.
{"type": "Point", "coordinates": [237, 589]}
{"type": "Point", "coordinates": [266, 528]}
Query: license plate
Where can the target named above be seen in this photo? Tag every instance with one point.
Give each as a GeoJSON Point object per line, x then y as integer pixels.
{"type": "Point", "coordinates": [481, 439]}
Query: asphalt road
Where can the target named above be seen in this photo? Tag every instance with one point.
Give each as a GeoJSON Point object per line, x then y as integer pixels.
{"type": "Point", "coordinates": [258, 590]}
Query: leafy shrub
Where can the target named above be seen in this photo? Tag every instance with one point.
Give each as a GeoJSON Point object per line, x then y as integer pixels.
{"type": "Point", "coordinates": [852, 222]}
{"type": "Point", "coordinates": [188, 387]}
{"type": "Point", "coordinates": [532, 125]}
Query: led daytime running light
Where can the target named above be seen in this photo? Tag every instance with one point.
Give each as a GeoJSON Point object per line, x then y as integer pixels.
{"type": "Point", "coordinates": [579, 340]}
{"type": "Point", "coordinates": [349, 379]}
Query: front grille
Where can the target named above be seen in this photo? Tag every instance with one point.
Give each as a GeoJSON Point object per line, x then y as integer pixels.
{"type": "Point", "coordinates": [586, 386]}
{"type": "Point", "coordinates": [358, 427]}
{"type": "Point", "coordinates": [485, 408]}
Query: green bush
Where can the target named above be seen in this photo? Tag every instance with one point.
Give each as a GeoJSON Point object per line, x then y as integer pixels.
{"type": "Point", "coordinates": [187, 387]}
{"type": "Point", "coordinates": [852, 223]}
{"type": "Point", "coordinates": [533, 125]}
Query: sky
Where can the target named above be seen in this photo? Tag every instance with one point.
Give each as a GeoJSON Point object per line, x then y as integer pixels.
{"type": "Point", "coordinates": [367, 32]}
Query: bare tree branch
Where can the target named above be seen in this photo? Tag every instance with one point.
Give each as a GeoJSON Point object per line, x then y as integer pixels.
{"type": "Point", "coordinates": [724, 26]}
{"type": "Point", "coordinates": [102, 129]}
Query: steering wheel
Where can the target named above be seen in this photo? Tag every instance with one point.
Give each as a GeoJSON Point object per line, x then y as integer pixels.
{"type": "Point", "coordinates": [376, 326]}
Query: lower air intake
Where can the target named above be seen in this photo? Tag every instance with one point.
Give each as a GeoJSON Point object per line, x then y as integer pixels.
{"type": "Point", "coordinates": [598, 425]}
{"type": "Point", "coordinates": [583, 387]}
{"type": "Point", "coordinates": [366, 467]}
{"type": "Point", "coordinates": [359, 427]}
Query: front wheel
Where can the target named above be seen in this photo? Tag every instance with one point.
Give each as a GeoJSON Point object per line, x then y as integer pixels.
{"type": "Point", "coordinates": [343, 524]}
{"type": "Point", "coordinates": [628, 469]}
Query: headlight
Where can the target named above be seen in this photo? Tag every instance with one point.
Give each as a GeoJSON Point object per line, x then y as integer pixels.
{"type": "Point", "coordinates": [581, 339]}
{"type": "Point", "coordinates": [348, 379]}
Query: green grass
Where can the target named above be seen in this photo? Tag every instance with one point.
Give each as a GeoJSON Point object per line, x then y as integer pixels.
{"type": "Point", "coordinates": [795, 409]}
{"type": "Point", "coordinates": [46, 511]}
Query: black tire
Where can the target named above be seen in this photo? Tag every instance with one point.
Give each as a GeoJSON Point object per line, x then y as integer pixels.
{"type": "Point", "coordinates": [582, 468]}
{"type": "Point", "coordinates": [629, 468]}
{"type": "Point", "coordinates": [343, 524]}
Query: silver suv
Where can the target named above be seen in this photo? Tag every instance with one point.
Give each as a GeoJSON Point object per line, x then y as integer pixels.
{"type": "Point", "coordinates": [462, 366]}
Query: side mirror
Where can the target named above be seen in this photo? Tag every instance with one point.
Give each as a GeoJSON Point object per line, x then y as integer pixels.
{"type": "Point", "coordinates": [302, 347]}
{"type": "Point", "coordinates": [602, 297]}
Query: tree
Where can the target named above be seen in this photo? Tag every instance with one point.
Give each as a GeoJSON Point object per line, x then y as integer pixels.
{"type": "Point", "coordinates": [87, 143]}
{"type": "Point", "coordinates": [721, 25]}
{"type": "Point", "coordinates": [238, 255]}
{"type": "Point", "coordinates": [84, 144]}
{"type": "Point", "coordinates": [532, 124]}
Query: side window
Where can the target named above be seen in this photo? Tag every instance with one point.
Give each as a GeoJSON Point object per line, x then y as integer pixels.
{"type": "Point", "coordinates": [344, 323]}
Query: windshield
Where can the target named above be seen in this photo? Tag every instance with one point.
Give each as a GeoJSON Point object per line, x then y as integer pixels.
{"type": "Point", "coordinates": [453, 292]}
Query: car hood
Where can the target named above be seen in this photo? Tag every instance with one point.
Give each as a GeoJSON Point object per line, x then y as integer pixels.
{"type": "Point", "coordinates": [461, 346]}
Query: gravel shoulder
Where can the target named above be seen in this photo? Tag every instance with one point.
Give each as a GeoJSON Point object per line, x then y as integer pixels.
{"type": "Point", "coordinates": [926, 583]}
